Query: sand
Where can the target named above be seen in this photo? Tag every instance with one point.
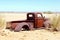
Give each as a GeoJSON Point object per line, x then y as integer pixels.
{"type": "Point", "coordinates": [41, 34]}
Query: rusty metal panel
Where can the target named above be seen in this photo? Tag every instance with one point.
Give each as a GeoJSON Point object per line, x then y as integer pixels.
{"type": "Point", "coordinates": [39, 23]}
{"type": "Point", "coordinates": [13, 25]}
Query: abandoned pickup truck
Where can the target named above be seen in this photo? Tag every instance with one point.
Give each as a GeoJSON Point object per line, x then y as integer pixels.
{"type": "Point", "coordinates": [33, 21]}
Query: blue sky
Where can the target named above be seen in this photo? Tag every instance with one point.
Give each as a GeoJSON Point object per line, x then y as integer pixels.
{"type": "Point", "coordinates": [30, 5]}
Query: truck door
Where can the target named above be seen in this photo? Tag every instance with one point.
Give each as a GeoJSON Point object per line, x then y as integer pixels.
{"type": "Point", "coordinates": [39, 20]}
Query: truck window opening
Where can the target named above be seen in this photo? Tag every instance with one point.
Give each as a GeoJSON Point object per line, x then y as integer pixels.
{"type": "Point", "coordinates": [38, 15]}
{"type": "Point", "coordinates": [30, 15]}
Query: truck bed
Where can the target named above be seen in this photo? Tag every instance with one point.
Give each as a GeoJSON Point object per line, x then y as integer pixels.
{"type": "Point", "coordinates": [18, 21]}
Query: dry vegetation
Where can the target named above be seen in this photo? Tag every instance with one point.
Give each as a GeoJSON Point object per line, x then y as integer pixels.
{"type": "Point", "coordinates": [56, 22]}
{"type": "Point", "coordinates": [2, 22]}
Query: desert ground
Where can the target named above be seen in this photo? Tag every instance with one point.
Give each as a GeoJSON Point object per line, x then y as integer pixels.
{"type": "Point", "coordinates": [41, 34]}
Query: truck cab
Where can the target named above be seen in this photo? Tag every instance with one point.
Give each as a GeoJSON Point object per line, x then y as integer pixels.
{"type": "Point", "coordinates": [37, 18]}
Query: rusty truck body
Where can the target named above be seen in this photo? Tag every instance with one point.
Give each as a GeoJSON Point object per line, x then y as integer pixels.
{"type": "Point", "coordinates": [33, 21]}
